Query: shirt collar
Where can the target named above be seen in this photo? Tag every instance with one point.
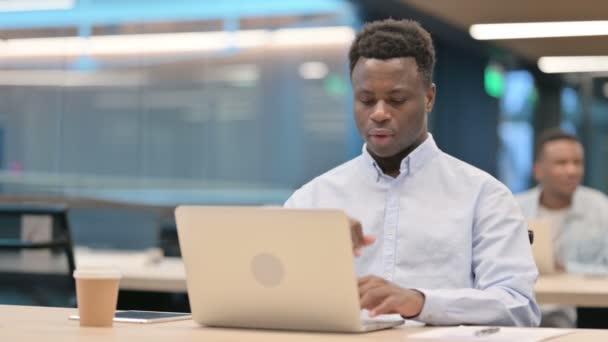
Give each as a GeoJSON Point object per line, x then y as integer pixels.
{"type": "Point", "coordinates": [413, 162]}
{"type": "Point", "coordinates": [577, 207]}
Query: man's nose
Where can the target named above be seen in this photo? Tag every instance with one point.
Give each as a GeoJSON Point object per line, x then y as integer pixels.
{"type": "Point", "coordinates": [380, 113]}
{"type": "Point", "coordinates": [572, 168]}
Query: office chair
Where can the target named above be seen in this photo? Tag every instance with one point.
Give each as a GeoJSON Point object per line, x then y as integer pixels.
{"type": "Point", "coordinates": [27, 279]}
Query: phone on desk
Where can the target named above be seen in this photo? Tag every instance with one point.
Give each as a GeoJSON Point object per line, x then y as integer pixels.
{"type": "Point", "coordinates": [135, 316]}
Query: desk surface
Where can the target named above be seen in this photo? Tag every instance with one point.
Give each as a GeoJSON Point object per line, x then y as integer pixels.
{"type": "Point", "coordinates": [572, 289]}
{"type": "Point", "coordinates": [149, 272]}
{"type": "Point", "coordinates": [21, 323]}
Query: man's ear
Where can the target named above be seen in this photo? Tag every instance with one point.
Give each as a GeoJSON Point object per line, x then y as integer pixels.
{"type": "Point", "coordinates": [430, 97]}
{"type": "Point", "coordinates": [538, 172]}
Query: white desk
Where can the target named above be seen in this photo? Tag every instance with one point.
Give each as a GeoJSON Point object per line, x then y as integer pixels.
{"type": "Point", "coordinates": [141, 271]}
{"type": "Point", "coordinates": [35, 324]}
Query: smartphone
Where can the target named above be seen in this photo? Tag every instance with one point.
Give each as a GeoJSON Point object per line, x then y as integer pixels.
{"type": "Point", "coordinates": [135, 316]}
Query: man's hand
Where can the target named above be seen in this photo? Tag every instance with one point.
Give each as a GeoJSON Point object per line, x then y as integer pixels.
{"type": "Point", "coordinates": [380, 296]}
{"type": "Point", "coordinates": [356, 234]}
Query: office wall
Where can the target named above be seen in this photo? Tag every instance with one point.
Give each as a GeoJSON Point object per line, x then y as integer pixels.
{"type": "Point", "coordinates": [245, 126]}
{"type": "Point", "coordinates": [465, 118]}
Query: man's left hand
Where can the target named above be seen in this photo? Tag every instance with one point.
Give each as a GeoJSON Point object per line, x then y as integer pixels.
{"type": "Point", "coordinates": [380, 296]}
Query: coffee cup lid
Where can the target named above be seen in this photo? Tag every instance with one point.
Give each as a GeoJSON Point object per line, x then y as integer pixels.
{"type": "Point", "coordinates": [97, 273]}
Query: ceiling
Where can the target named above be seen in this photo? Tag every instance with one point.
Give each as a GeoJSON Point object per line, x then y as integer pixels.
{"type": "Point", "coordinates": [464, 13]}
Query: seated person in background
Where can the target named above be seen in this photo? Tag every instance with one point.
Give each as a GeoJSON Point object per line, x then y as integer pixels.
{"type": "Point", "coordinates": [451, 243]}
{"type": "Point", "coordinates": [577, 215]}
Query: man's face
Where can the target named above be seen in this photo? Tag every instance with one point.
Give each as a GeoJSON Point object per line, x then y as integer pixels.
{"type": "Point", "coordinates": [560, 167]}
{"type": "Point", "coordinates": [391, 104]}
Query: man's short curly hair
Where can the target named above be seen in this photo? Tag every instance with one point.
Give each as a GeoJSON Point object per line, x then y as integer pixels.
{"type": "Point", "coordinates": [391, 38]}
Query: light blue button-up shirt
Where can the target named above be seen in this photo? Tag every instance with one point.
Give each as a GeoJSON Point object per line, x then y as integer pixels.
{"type": "Point", "coordinates": [443, 227]}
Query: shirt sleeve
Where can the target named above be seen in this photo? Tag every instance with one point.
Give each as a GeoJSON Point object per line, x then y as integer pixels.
{"type": "Point", "coordinates": [504, 272]}
{"type": "Point", "coordinates": [603, 224]}
{"type": "Point", "coordinates": [587, 226]}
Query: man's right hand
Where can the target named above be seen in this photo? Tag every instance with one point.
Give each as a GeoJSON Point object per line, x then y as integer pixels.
{"type": "Point", "coordinates": [356, 234]}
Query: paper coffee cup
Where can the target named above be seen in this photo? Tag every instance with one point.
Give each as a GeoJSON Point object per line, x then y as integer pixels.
{"type": "Point", "coordinates": [97, 295]}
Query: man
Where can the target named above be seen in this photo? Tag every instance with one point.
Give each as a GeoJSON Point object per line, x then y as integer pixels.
{"type": "Point", "coordinates": [451, 244]}
{"type": "Point", "coordinates": [577, 215]}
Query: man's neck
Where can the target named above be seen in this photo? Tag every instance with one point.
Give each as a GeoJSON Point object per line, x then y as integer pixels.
{"type": "Point", "coordinates": [555, 201]}
{"type": "Point", "coordinates": [391, 166]}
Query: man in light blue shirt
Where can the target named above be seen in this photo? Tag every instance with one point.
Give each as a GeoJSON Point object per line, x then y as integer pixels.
{"type": "Point", "coordinates": [577, 215]}
{"type": "Point", "coordinates": [451, 243]}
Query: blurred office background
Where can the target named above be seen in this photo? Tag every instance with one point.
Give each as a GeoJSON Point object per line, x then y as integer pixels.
{"type": "Point", "coordinates": [236, 102]}
{"type": "Point", "coordinates": [119, 108]}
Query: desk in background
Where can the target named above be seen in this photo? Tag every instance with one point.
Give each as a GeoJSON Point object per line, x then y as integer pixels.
{"type": "Point", "coordinates": [141, 271]}
{"type": "Point", "coordinates": [573, 289]}
{"type": "Point", "coordinates": [148, 272]}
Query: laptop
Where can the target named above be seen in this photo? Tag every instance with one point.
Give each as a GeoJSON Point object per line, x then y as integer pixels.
{"type": "Point", "coordinates": [271, 268]}
{"type": "Point", "coordinates": [542, 248]}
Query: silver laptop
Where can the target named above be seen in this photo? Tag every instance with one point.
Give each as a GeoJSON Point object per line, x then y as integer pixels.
{"type": "Point", "coordinates": [272, 268]}
{"type": "Point", "coordinates": [542, 248]}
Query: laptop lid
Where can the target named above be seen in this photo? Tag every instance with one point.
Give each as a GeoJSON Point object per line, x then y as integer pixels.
{"type": "Point", "coordinates": [272, 268]}
{"type": "Point", "coordinates": [542, 248]}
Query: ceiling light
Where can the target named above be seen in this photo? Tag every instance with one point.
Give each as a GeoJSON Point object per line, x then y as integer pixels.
{"type": "Point", "coordinates": [60, 78]}
{"type": "Point", "coordinates": [539, 30]}
{"type": "Point", "coordinates": [34, 5]}
{"type": "Point", "coordinates": [313, 36]}
{"type": "Point", "coordinates": [172, 42]}
{"type": "Point", "coordinates": [313, 70]}
{"type": "Point", "coordinates": [573, 64]}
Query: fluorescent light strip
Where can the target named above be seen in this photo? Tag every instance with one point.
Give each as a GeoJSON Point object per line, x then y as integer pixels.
{"type": "Point", "coordinates": [573, 64]}
{"type": "Point", "coordinates": [48, 47]}
{"type": "Point", "coordinates": [34, 5]}
{"type": "Point", "coordinates": [172, 42]}
{"type": "Point", "coordinates": [58, 78]}
{"type": "Point", "coordinates": [539, 30]}
{"type": "Point", "coordinates": [234, 73]}
{"type": "Point", "coordinates": [313, 36]}
{"type": "Point", "coordinates": [313, 70]}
